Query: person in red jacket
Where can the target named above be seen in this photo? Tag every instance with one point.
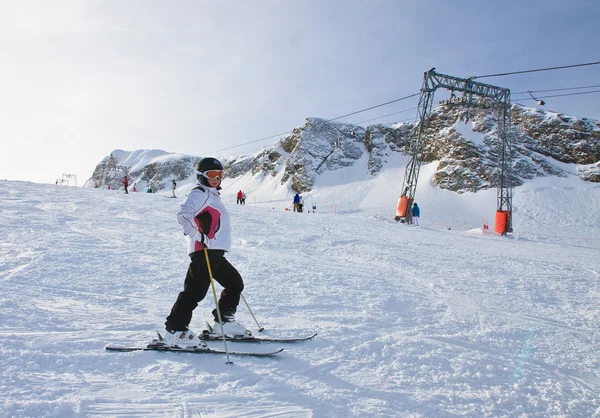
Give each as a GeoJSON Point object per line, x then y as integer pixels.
{"type": "Point", "coordinates": [240, 196]}
{"type": "Point", "coordinates": [126, 183]}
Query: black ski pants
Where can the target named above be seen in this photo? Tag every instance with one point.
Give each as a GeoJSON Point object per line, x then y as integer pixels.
{"type": "Point", "coordinates": [197, 282]}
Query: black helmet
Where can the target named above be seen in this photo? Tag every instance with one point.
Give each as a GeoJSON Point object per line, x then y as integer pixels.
{"type": "Point", "coordinates": [206, 164]}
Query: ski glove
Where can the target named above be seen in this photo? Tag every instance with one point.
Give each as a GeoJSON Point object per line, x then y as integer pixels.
{"type": "Point", "coordinates": [204, 239]}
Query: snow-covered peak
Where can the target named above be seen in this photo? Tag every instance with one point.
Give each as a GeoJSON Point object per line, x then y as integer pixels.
{"type": "Point", "coordinates": [460, 145]}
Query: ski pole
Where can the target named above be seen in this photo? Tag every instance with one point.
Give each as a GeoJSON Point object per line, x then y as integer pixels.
{"type": "Point", "coordinates": [212, 284]}
{"type": "Point", "coordinates": [260, 329]}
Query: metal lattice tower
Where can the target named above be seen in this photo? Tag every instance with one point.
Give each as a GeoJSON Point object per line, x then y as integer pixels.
{"type": "Point", "coordinates": [500, 98]}
{"type": "Point", "coordinates": [68, 179]}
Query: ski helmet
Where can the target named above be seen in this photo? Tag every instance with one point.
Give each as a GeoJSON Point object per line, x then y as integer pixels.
{"type": "Point", "coordinates": [204, 165]}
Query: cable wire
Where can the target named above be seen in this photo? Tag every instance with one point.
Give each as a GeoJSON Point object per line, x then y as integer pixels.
{"type": "Point", "coordinates": [250, 142]}
{"type": "Point", "coordinates": [375, 107]}
{"type": "Point", "coordinates": [537, 70]}
{"type": "Point", "coordinates": [561, 95]}
{"type": "Point", "coordinates": [328, 120]}
{"type": "Point", "coordinates": [416, 94]}
{"type": "Point", "coordinates": [389, 114]}
{"type": "Point", "coordinates": [563, 89]}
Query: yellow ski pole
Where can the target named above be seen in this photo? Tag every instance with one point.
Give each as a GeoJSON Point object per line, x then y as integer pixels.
{"type": "Point", "coordinates": [214, 290]}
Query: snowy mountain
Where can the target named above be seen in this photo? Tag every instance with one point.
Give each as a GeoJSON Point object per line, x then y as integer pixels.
{"type": "Point", "coordinates": [461, 142]}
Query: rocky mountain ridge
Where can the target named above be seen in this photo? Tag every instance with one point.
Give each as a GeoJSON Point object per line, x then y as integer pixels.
{"type": "Point", "coordinates": [462, 140]}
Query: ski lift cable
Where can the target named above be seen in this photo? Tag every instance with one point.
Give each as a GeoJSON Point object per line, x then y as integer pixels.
{"type": "Point", "coordinates": [389, 114]}
{"type": "Point", "coordinates": [375, 107]}
{"type": "Point", "coordinates": [416, 94]}
{"type": "Point", "coordinates": [561, 95]}
{"type": "Point", "coordinates": [549, 90]}
{"type": "Point", "coordinates": [250, 142]}
{"type": "Point", "coordinates": [537, 70]}
{"type": "Point", "coordinates": [405, 110]}
{"type": "Point", "coordinates": [410, 119]}
{"type": "Point", "coordinates": [329, 120]}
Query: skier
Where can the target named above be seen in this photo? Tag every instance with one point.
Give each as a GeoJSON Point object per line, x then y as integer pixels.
{"type": "Point", "coordinates": [134, 189]}
{"type": "Point", "coordinates": [296, 202]}
{"type": "Point", "coordinates": [416, 212]}
{"type": "Point", "coordinates": [301, 205]}
{"type": "Point", "coordinates": [125, 183]}
{"type": "Point", "coordinates": [205, 223]}
{"type": "Point", "coordinates": [243, 198]}
{"type": "Point", "coordinates": [239, 197]}
{"type": "Point", "coordinates": [173, 187]}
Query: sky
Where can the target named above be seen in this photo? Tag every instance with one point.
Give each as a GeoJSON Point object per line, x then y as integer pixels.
{"type": "Point", "coordinates": [81, 78]}
{"type": "Point", "coordinates": [411, 321]}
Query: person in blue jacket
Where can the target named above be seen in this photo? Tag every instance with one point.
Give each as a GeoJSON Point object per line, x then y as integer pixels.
{"type": "Point", "coordinates": [297, 202]}
{"type": "Point", "coordinates": [416, 212]}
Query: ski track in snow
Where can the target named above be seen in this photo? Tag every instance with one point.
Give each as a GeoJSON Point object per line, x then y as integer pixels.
{"type": "Point", "coordinates": [411, 321]}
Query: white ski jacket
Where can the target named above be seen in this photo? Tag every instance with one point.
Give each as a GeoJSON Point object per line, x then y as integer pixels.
{"type": "Point", "coordinates": [204, 213]}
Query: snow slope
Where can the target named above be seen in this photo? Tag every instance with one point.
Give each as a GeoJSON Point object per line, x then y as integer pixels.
{"type": "Point", "coordinates": [412, 321]}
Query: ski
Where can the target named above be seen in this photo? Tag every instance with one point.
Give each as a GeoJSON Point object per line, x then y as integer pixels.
{"type": "Point", "coordinates": [210, 336]}
{"type": "Point", "coordinates": [158, 346]}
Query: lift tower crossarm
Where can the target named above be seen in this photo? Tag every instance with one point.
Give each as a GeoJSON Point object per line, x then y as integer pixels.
{"type": "Point", "coordinates": [434, 80]}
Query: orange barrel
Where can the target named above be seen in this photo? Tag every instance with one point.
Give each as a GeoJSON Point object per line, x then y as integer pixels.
{"type": "Point", "coordinates": [402, 207]}
{"type": "Point", "coordinates": [501, 221]}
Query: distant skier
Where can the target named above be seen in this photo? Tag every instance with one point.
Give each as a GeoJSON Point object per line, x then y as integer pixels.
{"type": "Point", "coordinates": [206, 223]}
{"type": "Point", "coordinates": [126, 183]}
{"type": "Point", "coordinates": [173, 187]}
{"type": "Point", "coordinates": [243, 198]}
{"type": "Point", "coordinates": [416, 212]}
{"type": "Point", "coordinates": [314, 207]}
{"type": "Point", "coordinates": [301, 205]}
{"type": "Point", "coordinates": [239, 197]}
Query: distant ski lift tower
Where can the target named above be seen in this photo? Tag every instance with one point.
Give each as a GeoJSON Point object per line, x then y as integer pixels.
{"type": "Point", "coordinates": [69, 179]}
{"type": "Point", "coordinates": [500, 99]}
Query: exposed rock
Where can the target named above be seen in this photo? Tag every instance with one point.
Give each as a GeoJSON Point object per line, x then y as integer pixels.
{"type": "Point", "coordinates": [463, 140]}
{"type": "Point", "coordinates": [590, 172]}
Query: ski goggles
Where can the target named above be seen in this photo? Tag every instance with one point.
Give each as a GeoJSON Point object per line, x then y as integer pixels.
{"type": "Point", "coordinates": [213, 174]}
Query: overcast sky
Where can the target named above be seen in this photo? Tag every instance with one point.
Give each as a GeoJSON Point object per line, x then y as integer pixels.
{"type": "Point", "coordinates": [81, 78]}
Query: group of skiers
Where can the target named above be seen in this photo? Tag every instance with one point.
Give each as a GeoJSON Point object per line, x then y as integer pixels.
{"type": "Point", "coordinates": [241, 198]}
{"type": "Point", "coordinates": [298, 203]}
{"type": "Point", "coordinates": [125, 182]}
